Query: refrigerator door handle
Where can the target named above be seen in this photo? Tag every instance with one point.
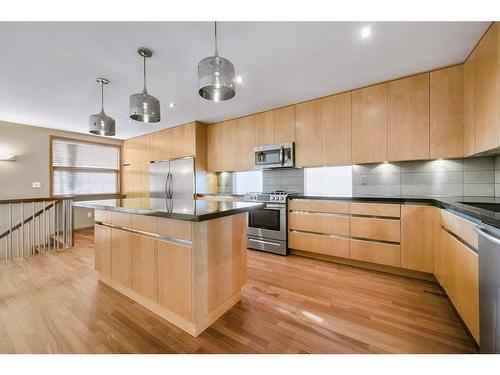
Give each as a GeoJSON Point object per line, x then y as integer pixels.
{"type": "Point", "coordinates": [166, 185]}
{"type": "Point", "coordinates": [170, 186]}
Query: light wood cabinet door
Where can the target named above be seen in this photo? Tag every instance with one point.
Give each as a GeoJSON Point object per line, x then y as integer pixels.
{"type": "Point", "coordinates": [137, 150]}
{"type": "Point", "coordinates": [135, 180]}
{"type": "Point", "coordinates": [174, 278]}
{"type": "Point", "coordinates": [264, 128]}
{"type": "Point", "coordinates": [229, 133]}
{"type": "Point", "coordinates": [144, 267]}
{"type": "Point", "coordinates": [161, 145]}
{"type": "Point", "coordinates": [369, 124]}
{"type": "Point", "coordinates": [336, 129]}
{"type": "Point", "coordinates": [486, 92]}
{"type": "Point", "coordinates": [469, 78]}
{"type": "Point", "coordinates": [447, 112]}
{"type": "Point", "coordinates": [417, 237]}
{"type": "Point", "coordinates": [308, 134]}
{"type": "Point", "coordinates": [408, 118]}
{"type": "Point", "coordinates": [102, 239]}
{"type": "Point", "coordinates": [245, 144]}
{"type": "Point", "coordinates": [188, 139]}
{"type": "Point", "coordinates": [284, 125]}
{"type": "Point", "coordinates": [121, 257]}
{"type": "Point", "coordinates": [214, 143]}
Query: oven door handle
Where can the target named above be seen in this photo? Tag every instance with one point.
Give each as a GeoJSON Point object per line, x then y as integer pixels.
{"type": "Point", "coordinates": [264, 242]}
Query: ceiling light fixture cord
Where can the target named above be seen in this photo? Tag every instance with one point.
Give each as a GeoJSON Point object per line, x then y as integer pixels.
{"type": "Point", "coordinates": [144, 89]}
{"type": "Point", "coordinates": [216, 49]}
{"type": "Point", "coordinates": [102, 96]}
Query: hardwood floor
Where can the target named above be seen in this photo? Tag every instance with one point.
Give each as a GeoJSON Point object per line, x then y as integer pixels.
{"type": "Point", "coordinates": [53, 303]}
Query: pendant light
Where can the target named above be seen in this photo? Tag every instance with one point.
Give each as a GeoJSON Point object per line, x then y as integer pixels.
{"type": "Point", "coordinates": [100, 123]}
{"type": "Point", "coordinates": [144, 107]}
{"type": "Point", "coordinates": [216, 76]}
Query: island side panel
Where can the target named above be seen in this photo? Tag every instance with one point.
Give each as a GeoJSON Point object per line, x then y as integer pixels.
{"type": "Point", "coordinates": [219, 267]}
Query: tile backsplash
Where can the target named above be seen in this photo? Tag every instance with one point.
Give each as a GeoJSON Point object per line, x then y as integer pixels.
{"type": "Point", "coordinates": [435, 177]}
{"type": "Point", "coordinates": [286, 179]}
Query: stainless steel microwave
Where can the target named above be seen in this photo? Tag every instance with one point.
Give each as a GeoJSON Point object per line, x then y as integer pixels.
{"type": "Point", "coordinates": [275, 156]}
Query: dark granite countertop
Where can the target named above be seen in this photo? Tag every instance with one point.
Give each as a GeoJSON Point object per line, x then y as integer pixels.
{"type": "Point", "coordinates": [457, 204]}
{"type": "Point", "coordinates": [192, 210]}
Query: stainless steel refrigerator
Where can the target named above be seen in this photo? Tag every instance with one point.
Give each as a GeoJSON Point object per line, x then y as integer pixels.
{"type": "Point", "coordinates": [173, 180]}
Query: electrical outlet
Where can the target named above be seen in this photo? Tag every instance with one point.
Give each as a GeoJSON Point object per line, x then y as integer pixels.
{"type": "Point", "coordinates": [89, 214]}
{"type": "Point", "coordinates": [36, 185]}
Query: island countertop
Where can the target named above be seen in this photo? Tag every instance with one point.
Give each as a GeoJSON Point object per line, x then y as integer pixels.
{"type": "Point", "coordinates": [187, 210]}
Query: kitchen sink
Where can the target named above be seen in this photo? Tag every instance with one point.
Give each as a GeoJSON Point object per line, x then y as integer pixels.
{"type": "Point", "coordinates": [495, 207]}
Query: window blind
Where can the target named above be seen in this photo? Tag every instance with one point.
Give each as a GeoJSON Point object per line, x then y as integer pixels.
{"type": "Point", "coordinates": [84, 168]}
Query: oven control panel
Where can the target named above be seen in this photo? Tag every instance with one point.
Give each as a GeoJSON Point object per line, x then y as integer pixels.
{"type": "Point", "coordinates": [275, 197]}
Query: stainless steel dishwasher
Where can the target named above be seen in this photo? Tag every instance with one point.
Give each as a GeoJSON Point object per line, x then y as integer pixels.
{"type": "Point", "coordinates": [489, 288]}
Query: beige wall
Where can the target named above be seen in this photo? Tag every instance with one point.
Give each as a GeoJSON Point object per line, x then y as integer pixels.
{"type": "Point", "coordinates": [30, 144]}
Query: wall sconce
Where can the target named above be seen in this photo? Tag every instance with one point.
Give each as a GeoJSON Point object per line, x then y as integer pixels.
{"type": "Point", "coordinates": [7, 156]}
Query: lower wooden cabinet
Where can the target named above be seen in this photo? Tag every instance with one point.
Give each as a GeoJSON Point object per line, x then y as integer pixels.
{"type": "Point", "coordinates": [102, 239]}
{"type": "Point", "coordinates": [321, 244]}
{"type": "Point", "coordinates": [417, 237]}
{"type": "Point", "coordinates": [121, 257]}
{"type": "Point", "coordinates": [376, 229]}
{"type": "Point", "coordinates": [174, 278]}
{"type": "Point", "coordinates": [376, 252]}
{"type": "Point", "coordinates": [319, 223]}
{"type": "Point", "coordinates": [144, 272]}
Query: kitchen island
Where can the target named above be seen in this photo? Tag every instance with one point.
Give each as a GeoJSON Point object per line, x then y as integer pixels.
{"type": "Point", "coordinates": [183, 260]}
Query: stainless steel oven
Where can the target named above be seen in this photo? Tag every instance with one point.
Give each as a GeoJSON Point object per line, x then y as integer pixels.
{"type": "Point", "coordinates": [267, 226]}
{"type": "Point", "coordinates": [274, 156]}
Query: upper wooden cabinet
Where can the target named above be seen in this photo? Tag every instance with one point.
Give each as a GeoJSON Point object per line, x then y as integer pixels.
{"type": "Point", "coordinates": [137, 150]}
{"type": "Point", "coordinates": [214, 142]}
{"type": "Point", "coordinates": [264, 128]}
{"type": "Point", "coordinates": [135, 180]}
{"type": "Point", "coordinates": [284, 124]}
{"type": "Point", "coordinates": [486, 91]}
{"type": "Point", "coordinates": [245, 143]}
{"type": "Point", "coordinates": [336, 129]}
{"type": "Point", "coordinates": [469, 77]}
{"type": "Point", "coordinates": [408, 118]}
{"type": "Point", "coordinates": [369, 124]}
{"type": "Point", "coordinates": [447, 112]}
{"type": "Point", "coordinates": [308, 134]}
{"type": "Point", "coordinates": [228, 149]}
{"type": "Point", "coordinates": [173, 143]}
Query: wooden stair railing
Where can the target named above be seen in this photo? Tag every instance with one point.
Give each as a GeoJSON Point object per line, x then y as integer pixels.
{"type": "Point", "coordinates": [47, 228]}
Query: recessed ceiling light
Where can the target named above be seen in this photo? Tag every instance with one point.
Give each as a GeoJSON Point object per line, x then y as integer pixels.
{"type": "Point", "coordinates": [171, 104]}
{"type": "Point", "coordinates": [238, 79]}
{"type": "Point", "coordinates": [366, 32]}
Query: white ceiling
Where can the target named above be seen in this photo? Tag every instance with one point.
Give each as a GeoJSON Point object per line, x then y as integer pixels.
{"type": "Point", "coordinates": [48, 70]}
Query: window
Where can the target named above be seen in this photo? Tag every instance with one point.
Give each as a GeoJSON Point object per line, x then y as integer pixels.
{"type": "Point", "coordinates": [245, 182]}
{"type": "Point", "coordinates": [84, 168]}
{"type": "Point", "coordinates": [328, 181]}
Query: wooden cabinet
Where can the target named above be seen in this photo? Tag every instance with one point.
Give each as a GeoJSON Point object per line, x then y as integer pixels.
{"type": "Point", "coordinates": [469, 78]}
{"type": "Point", "coordinates": [335, 130]}
{"type": "Point", "coordinates": [408, 118]}
{"type": "Point", "coordinates": [318, 243]}
{"type": "Point", "coordinates": [376, 229]}
{"type": "Point", "coordinates": [369, 124]}
{"type": "Point", "coordinates": [308, 134]}
{"type": "Point", "coordinates": [417, 237]}
{"type": "Point", "coordinates": [172, 143]}
{"type": "Point", "coordinates": [447, 112]}
{"type": "Point", "coordinates": [284, 124]}
{"type": "Point", "coordinates": [135, 180]}
{"type": "Point", "coordinates": [137, 150]}
{"type": "Point", "coordinates": [144, 261]}
{"type": "Point", "coordinates": [486, 91]}
{"type": "Point", "coordinates": [102, 240]}
{"type": "Point", "coordinates": [229, 133]}
{"type": "Point", "coordinates": [214, 142]}
{"type": "Point", "coordinates": [319, 223]}
{"type": "Point", "coordinates": [376, 252]}
{"type": "Point", "coordinates": [245, 143]}
{"type": "Point", "coordinates": [121, 257]}
{"type": "Point", "coordinates": [174, 278]}
{"type": "Point", "coordinates": [459, 278]}
{"type": "Point", "coordinates": [264, 128]}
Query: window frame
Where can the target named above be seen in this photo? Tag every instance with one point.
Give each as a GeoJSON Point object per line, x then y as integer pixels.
{"type": "Point", "coordinates": [85, 196]}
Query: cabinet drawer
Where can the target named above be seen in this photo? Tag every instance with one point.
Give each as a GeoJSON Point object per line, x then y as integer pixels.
{"type": "Point", "coordinates": [145, 223]}
{"type": "Point", "coordinates": [319, 223]}
{"type": "Point", "coordinates": [376, 229]}
{"type": "Point", "coordinates": [319, 206]}
{"type": "Point", "coordinates": [374, 252]}
{"type": "Point", "coordinates": [376, 209]}
{"type": "Point", "coordinates": [315, 243]}
{"type": "Point", "coordinates": [461, 227]}
{"type": "Point", "coordinates": [121, 219]}
{"type": "Point", "coordinates": [175, 228]}
{"type": "Point", "coordinates": [102, 216]}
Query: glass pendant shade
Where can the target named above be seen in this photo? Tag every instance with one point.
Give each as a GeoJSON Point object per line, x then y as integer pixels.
{"type": "Point", "coordinates": [100, 123]}
{"type": "Point", "coordinates": [144, 107]}
{"type": "Point", "coordinates": [216, 77]}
